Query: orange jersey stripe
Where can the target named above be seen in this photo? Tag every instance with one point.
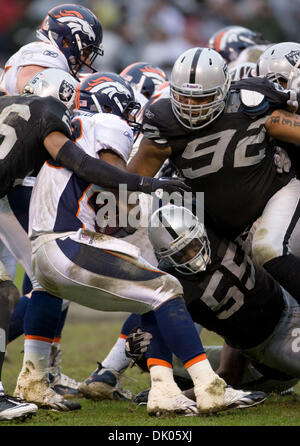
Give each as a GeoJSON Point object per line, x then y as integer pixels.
{"type": "Point", "coordinates": [195, 360]}
{"type": "Point", "coordinates": [123, 336]}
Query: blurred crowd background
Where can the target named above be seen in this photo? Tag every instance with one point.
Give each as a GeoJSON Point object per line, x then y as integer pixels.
{"type": "Point", "coordinates": [154, 31]}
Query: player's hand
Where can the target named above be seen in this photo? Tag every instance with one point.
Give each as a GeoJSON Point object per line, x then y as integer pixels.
{"type": "Point", "coordinates": [168, 185]}
{"type": "Point", "coordinates": [292, 103]}
{"type": "Point", "coordinates": [282, 160]}
{"type": "Point", "coordinates": [137, 343]}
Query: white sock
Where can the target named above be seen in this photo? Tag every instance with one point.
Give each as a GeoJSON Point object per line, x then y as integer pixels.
{"type": "Point", "coordinates": [162, 381]}
{"type": "Point", "coordinates": [1, 388]}
{"type": "Point", "coordinates": [37, 352]}
{"type": "Point", "coordinates": [202, 373]}
{"type": "Point", "coordinates": [116, 358]}
{"type": "Point", "coordinates": [209, 388]}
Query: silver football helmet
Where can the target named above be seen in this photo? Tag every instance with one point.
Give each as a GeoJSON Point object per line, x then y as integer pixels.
{"type": "Point", "coordinates": [278, 60]}
{"type": "Point", "coordinates": [242, 71]}
{"type": "Point", "coordinates": [199, 73]}
{"type": "Point", "coordinates": [179, 238]}
{"type": "Point", "coordinates": [54, 82]}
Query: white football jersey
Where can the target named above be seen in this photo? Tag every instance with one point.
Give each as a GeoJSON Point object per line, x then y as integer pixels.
{"type": "Point", "coordinates": [34, 53]}
{"type": "Point", "coordinates": [61, 201]}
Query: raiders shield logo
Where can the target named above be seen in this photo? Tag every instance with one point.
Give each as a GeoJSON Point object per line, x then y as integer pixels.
{"type": "Point", "coordinates": [293, 57]}
{"type": "Point", "coordinates": [66, 91]}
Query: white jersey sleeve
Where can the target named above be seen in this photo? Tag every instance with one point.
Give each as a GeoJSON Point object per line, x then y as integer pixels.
{"type": "Point", "coordinates": [35, 53]}
{"type": "Point", "coordinates": [113, 133]}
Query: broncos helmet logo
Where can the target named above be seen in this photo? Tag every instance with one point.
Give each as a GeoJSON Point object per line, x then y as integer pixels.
{"type": "Point", "coordinates": [77, 24]}
{"type": "Point", "coordinates": [108, 86]}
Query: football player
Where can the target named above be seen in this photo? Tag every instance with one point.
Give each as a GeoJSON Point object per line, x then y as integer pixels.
{"type": "Point", "coordinates": [218, 137]}
{"type": "Point", "coordinates": [279, 63]}
{"type": "Point", "coordinates": [229, 295]}
{"type": "Point", "coordinates": [70, 38]}
{"type": "Point", "coordinates": [107, 273]}
{"type": "Point", "coordinates": [37, 128]}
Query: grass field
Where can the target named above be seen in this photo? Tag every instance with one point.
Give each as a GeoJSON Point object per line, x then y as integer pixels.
{"type": "Point", "coordinates": [86, 341]}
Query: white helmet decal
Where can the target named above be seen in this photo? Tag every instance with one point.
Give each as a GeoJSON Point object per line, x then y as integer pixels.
{"type": "Point", "coordinates": [78, 24]}
{"type": "Point", "coordinates": [110, 88]}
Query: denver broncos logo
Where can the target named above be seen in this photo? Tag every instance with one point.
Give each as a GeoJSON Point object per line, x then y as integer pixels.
{"type": "Point", "coordinates": [76, 24]}
{"type": "Point", "coordinates": [108, 86]}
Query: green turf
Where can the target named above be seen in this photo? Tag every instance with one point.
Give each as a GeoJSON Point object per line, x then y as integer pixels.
{"type": "Point", "coordinates": [85, 343]}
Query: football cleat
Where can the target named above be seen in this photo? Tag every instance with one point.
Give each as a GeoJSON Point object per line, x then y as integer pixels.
{"type": "Point", "coordinates": [61, 383]}
{"type": "Point", "coordinates": [64, 385]}
{"type": "Point", "coordinates": [142, 397]}
{"type": "Point", "coordinates": [234, 399]}
{"type": "Point", "coordinates": [34, 386]}
{"type": "Point", "coordinates": [159, 405]}
{"type": "Point", "coordinates": [240, 399]}
{"type": "Point", "coordinates": [104, 384]}
{"type": "Point", "coordinates": [11, 408]}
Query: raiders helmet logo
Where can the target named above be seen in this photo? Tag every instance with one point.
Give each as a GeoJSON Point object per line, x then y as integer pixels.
{"type": "Point", "coordinates": [66, 91]}
{"type": "Point", "coordinates": [293, 57]}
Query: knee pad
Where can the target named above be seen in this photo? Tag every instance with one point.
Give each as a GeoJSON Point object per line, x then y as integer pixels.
{"type": "Point", "coordinates": [264, 247]}
{"type": "Point", "coordinates": [168, 288]}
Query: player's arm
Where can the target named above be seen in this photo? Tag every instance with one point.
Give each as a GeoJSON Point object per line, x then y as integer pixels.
{"type": "Point", "coordinates": [26, 74]}
{"type": "Point", "coordinates": [149, 158]}
{"type": "Point", "coordinates": [284, 126]}
{"type": "Point", "coordinates": [99, 172]}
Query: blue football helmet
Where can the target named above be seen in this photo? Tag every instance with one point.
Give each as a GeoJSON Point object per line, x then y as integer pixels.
{"type": "Point", "coordinates": [144, 77]}
{"type": "Point", "coordinates": [232, 40]}
{"type": "Point", "coordinates": [109, 93]}
{"type": "Point", "coordinates": [77, 32]}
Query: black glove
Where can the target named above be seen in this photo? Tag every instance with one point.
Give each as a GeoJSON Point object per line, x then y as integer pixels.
{"type": "Point", "coordinates": [137, 343]}
{"type": "Point", "coordinates": [169, 185]}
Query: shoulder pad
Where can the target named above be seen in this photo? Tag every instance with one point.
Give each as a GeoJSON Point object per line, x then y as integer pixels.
{"type": "Point", "coordinates": [250, 98]}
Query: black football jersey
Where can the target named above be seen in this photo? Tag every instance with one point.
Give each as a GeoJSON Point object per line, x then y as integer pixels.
{"type": "Point", "coordinates": [233, 297]}
{"type": "Point", "coordinates": [230, 160]}
{"type": "Point", "coordinates": [25, 121]}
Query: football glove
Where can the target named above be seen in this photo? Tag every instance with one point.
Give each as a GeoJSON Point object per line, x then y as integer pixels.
{"type": "Point", "coordinates": [292, 103]}
{"type": "Point", "coordinates": [137, 343]}
{"type": "Point", "coordinates": [169, 185]}
{"type": "Point", "coordinates": [282, 160]}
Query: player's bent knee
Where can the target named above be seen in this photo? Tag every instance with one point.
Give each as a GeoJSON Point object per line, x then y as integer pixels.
{"type": "Point", "coordinates": [170, 288]}
{"type": "Point", "coordinates": [263, 253]}
{"type": "Point", "coordinates": [264, 248]}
